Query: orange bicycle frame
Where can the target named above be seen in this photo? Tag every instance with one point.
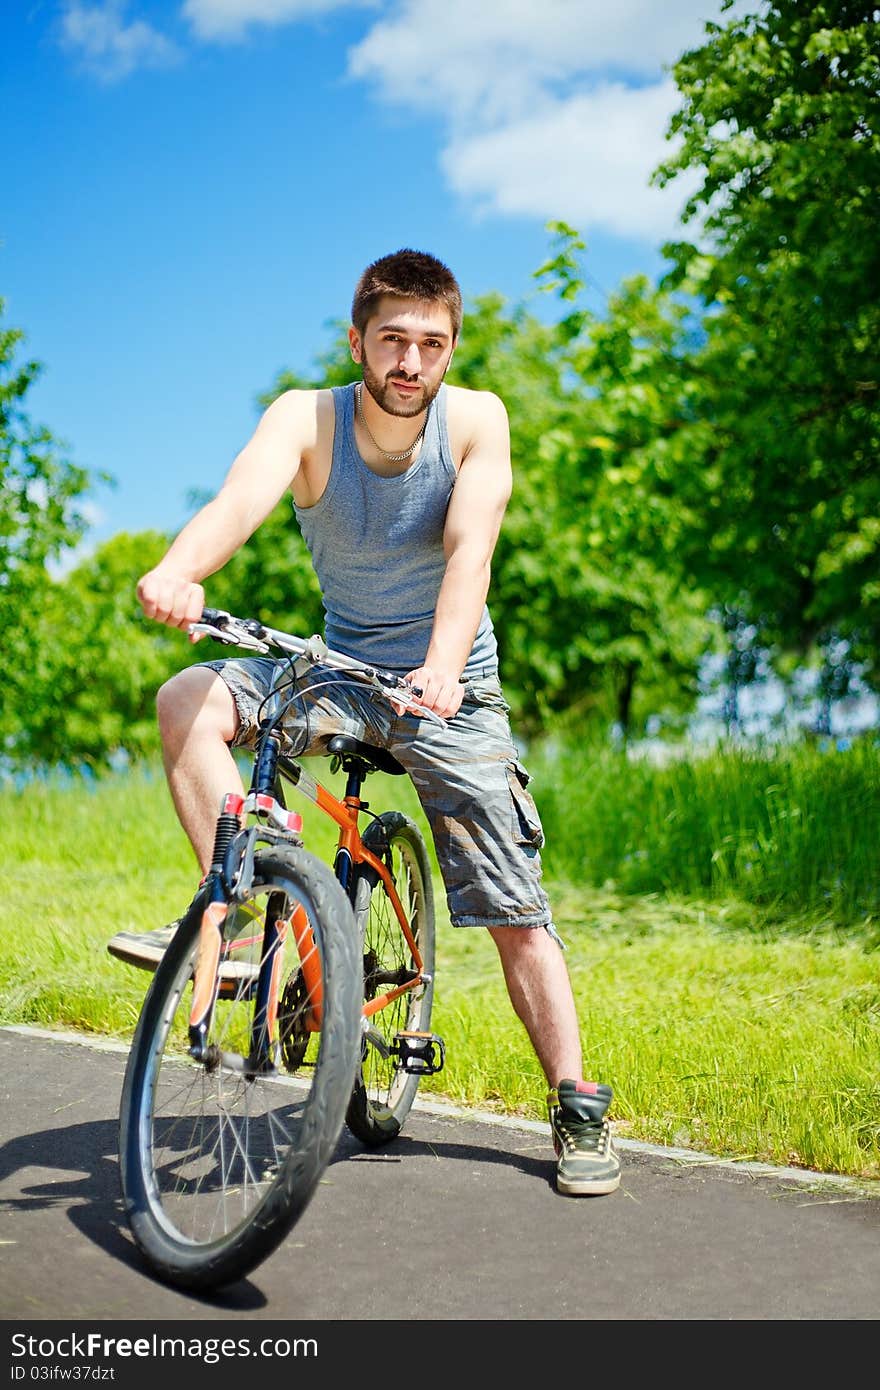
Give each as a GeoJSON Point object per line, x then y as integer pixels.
{"type": "Point", "coordinates": [350, 847]}
{"type": "Point", "coordinates": [350, 851]}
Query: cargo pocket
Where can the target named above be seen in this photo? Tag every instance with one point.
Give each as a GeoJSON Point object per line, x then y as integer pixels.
{"type": "Point", "coordinates": [526, 821]}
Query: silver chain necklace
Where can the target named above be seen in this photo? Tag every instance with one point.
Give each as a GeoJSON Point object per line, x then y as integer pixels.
{"type": "Point", "coordinates": [392, 458]}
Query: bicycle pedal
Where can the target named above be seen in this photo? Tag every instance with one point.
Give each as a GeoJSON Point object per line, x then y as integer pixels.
{"type": "Point", "coordinates": [421, 1054]}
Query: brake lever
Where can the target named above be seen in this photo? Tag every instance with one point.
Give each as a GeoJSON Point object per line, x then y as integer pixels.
{"type": "Point", "coordinates": [230, 637]}
{"type": "Point", "coordinates": [405, 697]}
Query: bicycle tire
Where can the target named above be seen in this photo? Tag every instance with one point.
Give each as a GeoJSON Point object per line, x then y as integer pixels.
{"type": "Point", "coordinates": [383, 1092]}
{"type": "Point", "coordinates": [217, 1166]}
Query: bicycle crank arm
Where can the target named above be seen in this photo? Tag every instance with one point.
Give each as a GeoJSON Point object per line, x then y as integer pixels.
{"type": "Point", "coordinates": [375, 1039]}
{"type": "Point", "coordinates": [398, 978]}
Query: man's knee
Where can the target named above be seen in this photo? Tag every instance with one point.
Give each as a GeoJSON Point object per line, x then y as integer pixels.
{"type": "Point", "coordinates": [524, 947]}
{"type": "Point", "coordinates": [515, 942]}
{"type": "Point", "coordinates": [195, 700]}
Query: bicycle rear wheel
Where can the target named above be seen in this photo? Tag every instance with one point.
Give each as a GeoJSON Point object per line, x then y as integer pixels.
{"type": "Point", "coordinates": [220, 1157]}
{"type": "Point", "coordinates": [384, 1091]}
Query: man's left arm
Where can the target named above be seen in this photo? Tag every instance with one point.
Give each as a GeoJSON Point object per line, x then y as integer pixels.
{"type": "Point", "coordinates": [473, 521]}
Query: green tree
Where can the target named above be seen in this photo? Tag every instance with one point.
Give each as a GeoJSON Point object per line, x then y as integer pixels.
{"type": "Point", "coordinates": [597, 618]}
{"type": "Point", "coordinates": [41, 517]}
{"type": "Point", "coordinates": [97, 661]}
{"type": "Point", "coordinates": [635, 608]}
{"type": "Point", "coordinates": [780, 117]}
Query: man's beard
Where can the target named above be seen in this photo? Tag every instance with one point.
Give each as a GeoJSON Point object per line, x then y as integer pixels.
{"type": "Point", "coordinates": [381, 391]}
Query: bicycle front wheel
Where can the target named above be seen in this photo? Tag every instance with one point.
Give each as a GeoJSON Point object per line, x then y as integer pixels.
{"type": "Point", "coordinates": [220, 1156]}
{"type": "Point", "coordinates": [384, 1090]}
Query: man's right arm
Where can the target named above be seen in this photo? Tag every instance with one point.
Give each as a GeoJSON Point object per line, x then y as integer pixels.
{"type": "Point", "coordinates": [172, 593]}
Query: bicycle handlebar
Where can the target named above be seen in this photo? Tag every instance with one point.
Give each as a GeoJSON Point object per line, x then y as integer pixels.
{"type": "Point", "coordinates": [255, 636]}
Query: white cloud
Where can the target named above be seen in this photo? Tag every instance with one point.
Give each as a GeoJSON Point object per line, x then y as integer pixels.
{"type": "Point", "coordinates": [587, 159]}
{"type": "Point", "coordinates": [551, 109]}
{"type": "Point", "coordinates": [110, 47]}
{"type": "Point", "coordinates": [229, 19]}
{"type": "Point", "coordinates": [503, 53]}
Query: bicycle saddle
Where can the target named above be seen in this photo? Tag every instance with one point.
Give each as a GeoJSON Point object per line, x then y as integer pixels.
{"type": "Point", "coordinates": [379, 759]}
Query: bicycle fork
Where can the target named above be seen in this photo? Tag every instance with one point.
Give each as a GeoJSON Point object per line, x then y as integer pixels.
{"type": "Point", "coordinates": [266, 990]}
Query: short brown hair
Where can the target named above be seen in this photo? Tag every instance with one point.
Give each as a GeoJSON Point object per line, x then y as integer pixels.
{"type": "Point", "coordinates": [407, 275]}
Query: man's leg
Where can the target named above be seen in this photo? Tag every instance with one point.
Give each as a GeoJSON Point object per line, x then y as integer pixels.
{"type": "Point", "coordinates": [201, 711]}
{"type": "Point", "coordinates": [540, 990]}
{"type": "Point", "coordinates": [197, 722]}
{"type": "Point", "coordinates": [487, 834]}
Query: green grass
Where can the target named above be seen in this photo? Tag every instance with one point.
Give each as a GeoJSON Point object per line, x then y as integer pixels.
{"type": "Point", "coordinates": [738, 1023]}
{"type": "Point", "coordinates": [791, 829]}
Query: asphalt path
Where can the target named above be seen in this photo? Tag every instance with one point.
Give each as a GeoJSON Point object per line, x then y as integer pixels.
{"type": "Point", "coordinates": [457, 1221]}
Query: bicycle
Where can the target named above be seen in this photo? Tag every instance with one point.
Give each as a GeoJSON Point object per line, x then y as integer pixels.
{"type": "Point", "coordinates": [310, 1000]}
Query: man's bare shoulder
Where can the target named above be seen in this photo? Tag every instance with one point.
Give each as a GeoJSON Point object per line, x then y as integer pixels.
{"type": "Point", "coordinates": [301, 412]}
{"type": "Point", "coordinates": [301, 401]}
{"type": "Point", "coordinates": [467, 403]}
{"type": "Point", "coordinates": [476, 420]}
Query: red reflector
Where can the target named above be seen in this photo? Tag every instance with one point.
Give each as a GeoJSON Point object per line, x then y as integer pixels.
{"type": "Point", "coordinates": [232, 804]}
{"type": "Point", "coordinates": [294, 821]}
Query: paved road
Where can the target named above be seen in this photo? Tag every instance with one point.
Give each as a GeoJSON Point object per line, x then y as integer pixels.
{"type": "Point", "coordinates": [458, 1219]}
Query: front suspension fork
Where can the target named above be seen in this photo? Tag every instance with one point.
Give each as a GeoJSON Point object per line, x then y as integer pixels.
{"type": "Point", "coordinates": [266, 990]}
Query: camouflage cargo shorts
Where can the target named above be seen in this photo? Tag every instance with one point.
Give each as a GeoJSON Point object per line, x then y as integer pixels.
{"type": "Point", "coordinates": [469, 778]}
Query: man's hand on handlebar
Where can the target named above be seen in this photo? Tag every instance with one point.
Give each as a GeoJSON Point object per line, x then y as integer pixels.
{"type": "Point", "coordinates": [170, 599]}
{"type": "Point", "coordinates": [441, 691]}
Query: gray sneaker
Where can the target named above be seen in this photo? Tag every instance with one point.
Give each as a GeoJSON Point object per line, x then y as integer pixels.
{"type": "Point", "coordinates": [145, 950]}
{"type": "Point", "coordinates": [586, 1165]}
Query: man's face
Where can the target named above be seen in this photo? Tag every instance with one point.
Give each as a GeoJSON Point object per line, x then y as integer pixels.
{"type": "Point", "coordinates": [404, 353]}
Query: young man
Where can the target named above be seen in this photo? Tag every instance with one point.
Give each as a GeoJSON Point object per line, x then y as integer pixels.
{"type": "Point", "coordinates": [399, 485]}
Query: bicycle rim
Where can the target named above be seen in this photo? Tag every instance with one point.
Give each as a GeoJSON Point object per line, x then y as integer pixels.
{"type": "Point", "coordinates": [220, 1157]}
{"type": "Point", "coordinates": [384, 1092]}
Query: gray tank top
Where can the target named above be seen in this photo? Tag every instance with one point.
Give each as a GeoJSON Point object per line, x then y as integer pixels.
{"type": "Point", "coordinates": [377, 547]}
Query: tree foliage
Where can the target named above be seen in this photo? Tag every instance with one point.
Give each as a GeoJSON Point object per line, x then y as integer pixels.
{"type": "Point", "coordinates": [41, 517]}
{"type": "Point", "coordinates": [780, 115]}
{"type": "Point", "coordinates": [594, 614]}
{"type": "Point", "coordinates": [98, 662]}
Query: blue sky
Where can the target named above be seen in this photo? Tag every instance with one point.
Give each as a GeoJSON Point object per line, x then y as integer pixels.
{"type": "Point", "coordinates": [191, 190]}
